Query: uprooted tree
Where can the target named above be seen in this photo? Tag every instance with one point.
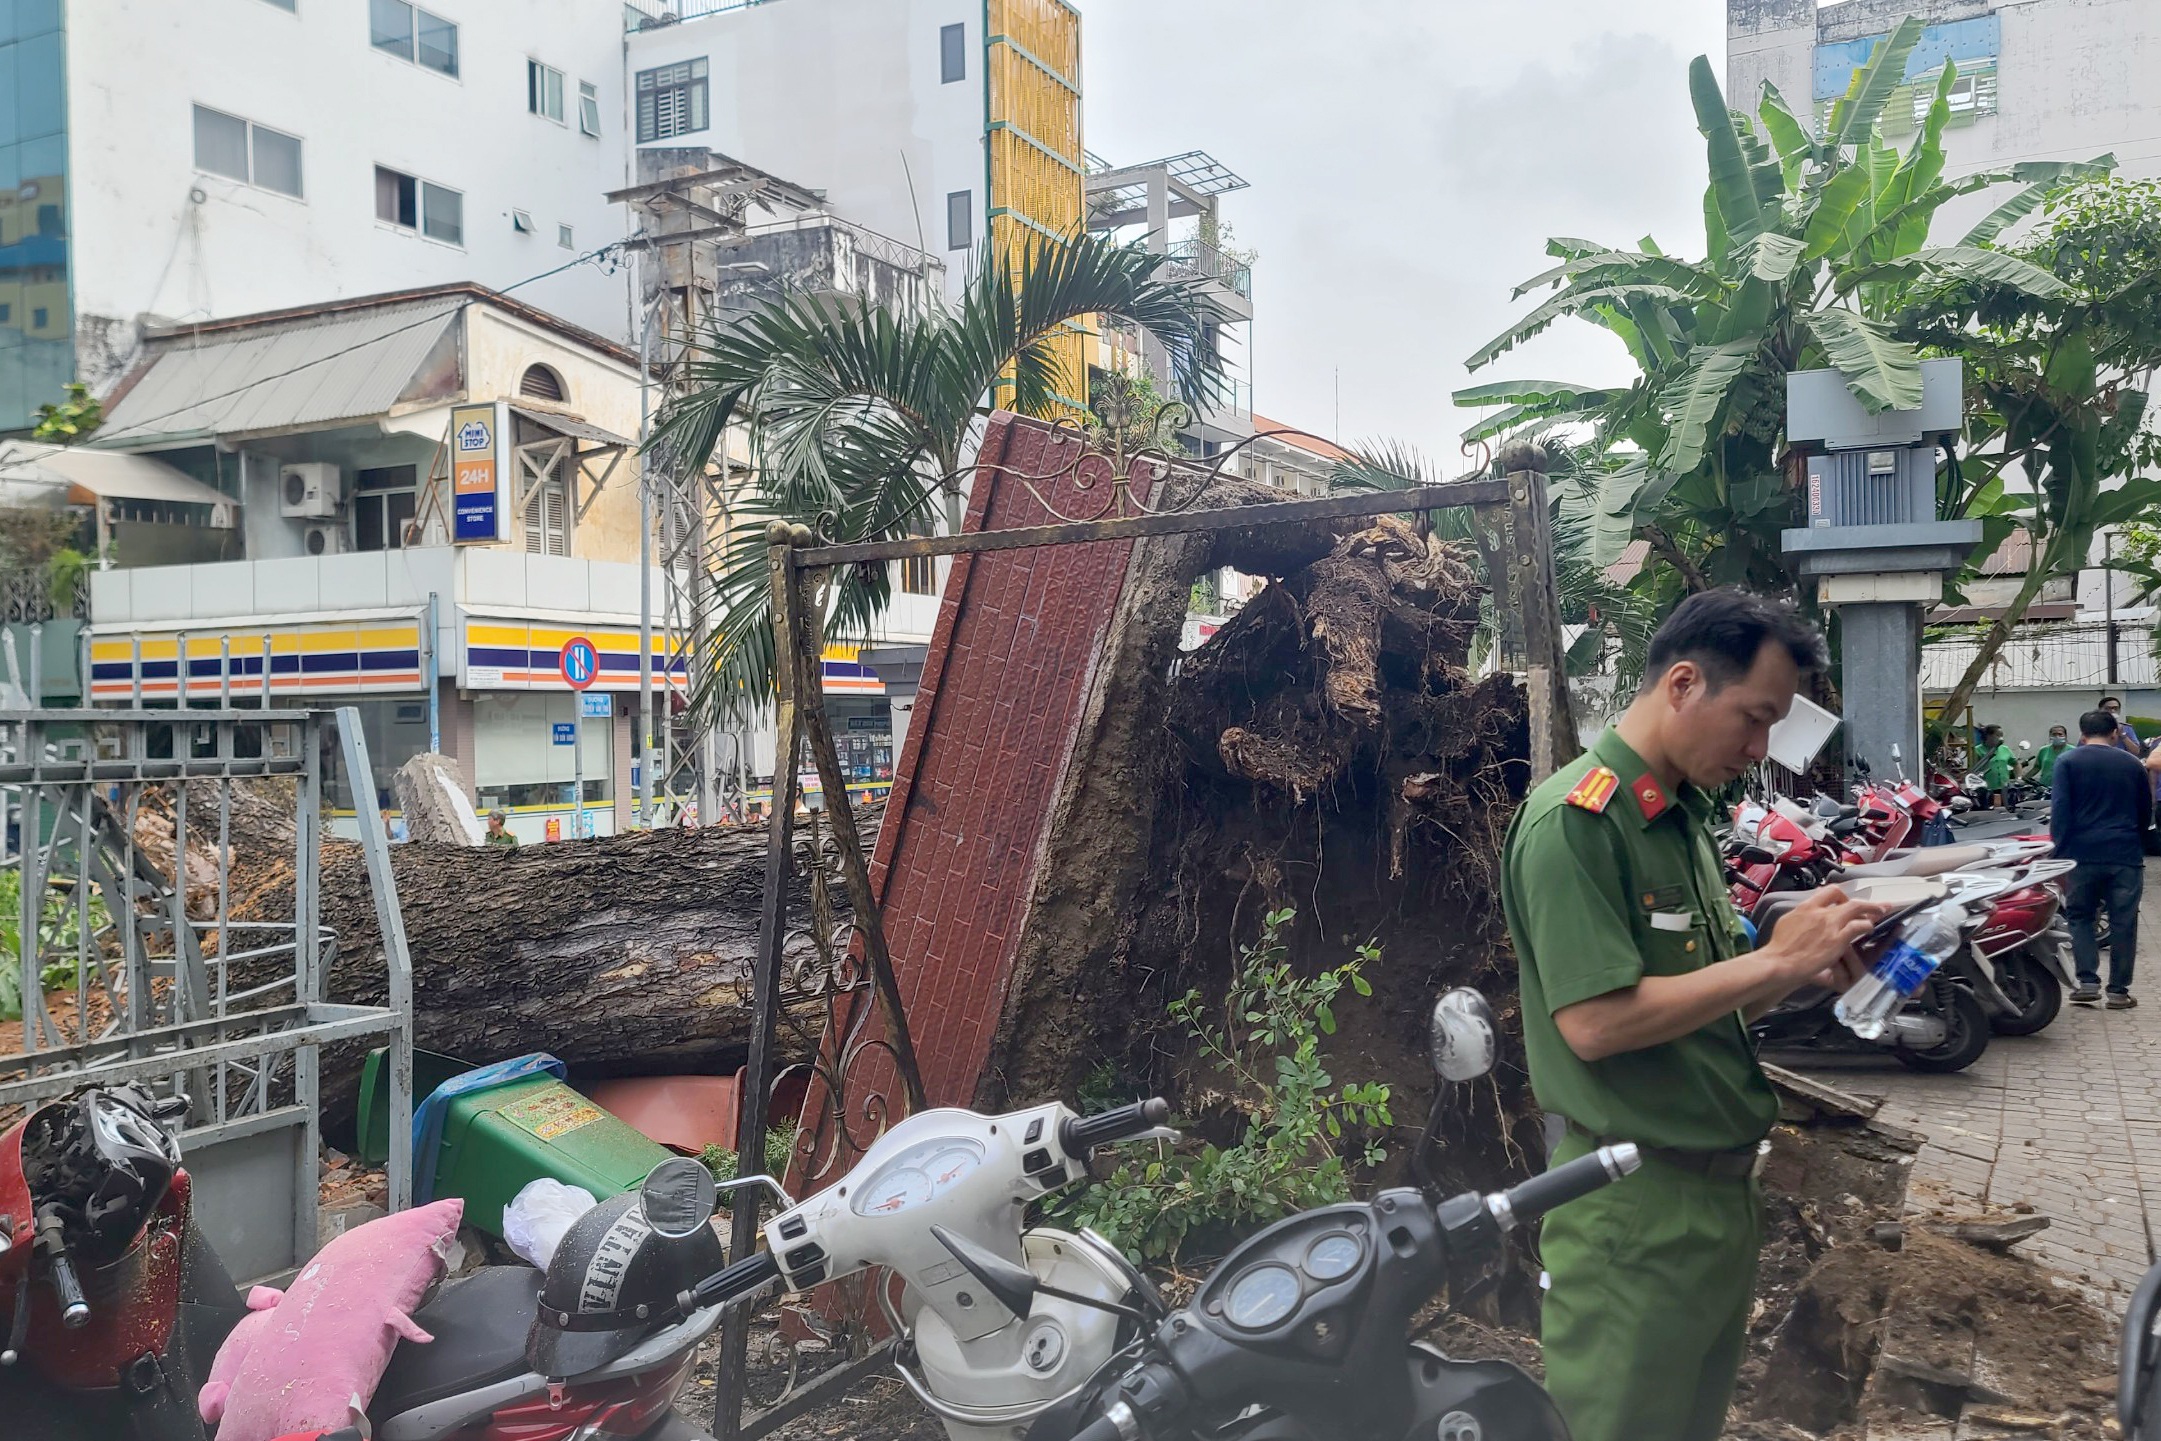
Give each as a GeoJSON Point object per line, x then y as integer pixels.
{"type": "Point", "coordinates": [1329, 754]}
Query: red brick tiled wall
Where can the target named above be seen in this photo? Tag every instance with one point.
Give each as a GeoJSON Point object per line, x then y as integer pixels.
{"type": "Point", "coordinates": [1018, 637]}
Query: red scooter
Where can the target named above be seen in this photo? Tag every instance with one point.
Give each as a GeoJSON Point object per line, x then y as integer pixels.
{"type": "Point", "coordinates": [113, 1305]}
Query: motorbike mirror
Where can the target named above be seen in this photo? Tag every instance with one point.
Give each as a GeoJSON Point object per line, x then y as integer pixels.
{"type": "Point", "coordinates": [1897, 754]}
{"type": "Point", "coordinates": [1465, 1038]}
{"type": "Point", "coordinates": [1013, 1287]}
{"type": "Point", "coordinates": [678, 1197]}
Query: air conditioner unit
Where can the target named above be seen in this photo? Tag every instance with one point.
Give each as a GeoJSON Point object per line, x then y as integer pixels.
{"type": "Point", "coordinates": [311, 491]}
{"type": "Point", "coordinates": [326, 539]}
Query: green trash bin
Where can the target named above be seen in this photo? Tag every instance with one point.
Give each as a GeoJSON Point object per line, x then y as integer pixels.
{"type": "Point", "coordinates": [495, 1142]}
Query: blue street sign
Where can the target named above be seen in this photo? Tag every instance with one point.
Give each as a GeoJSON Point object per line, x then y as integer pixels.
{"type": "Point", "coordinates": [596, 705]}
{"type": "Point", "coordinates": [566, 733]}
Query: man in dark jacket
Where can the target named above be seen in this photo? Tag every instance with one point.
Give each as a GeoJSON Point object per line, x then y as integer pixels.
{"type": "Point", "coordinates": [2101, 808]}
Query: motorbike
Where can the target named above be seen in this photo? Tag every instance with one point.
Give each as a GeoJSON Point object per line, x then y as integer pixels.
{"type": "Point", "coordinates": [113, 1306]}
{"type": "Point", "coordinates": [2018, 964]}
{"type": "Point", "coordinates": [1305, 1332]}
{"type": "Point", "coordinates": [2138, 1375]}
{"type": "Point", "coordinates": [946, 1182]}
{"type": "Point", "coordinates": [1944, 1026]}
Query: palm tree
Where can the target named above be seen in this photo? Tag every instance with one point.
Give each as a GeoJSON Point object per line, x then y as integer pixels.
{"type": "Point", "coordinates": [861, 418]}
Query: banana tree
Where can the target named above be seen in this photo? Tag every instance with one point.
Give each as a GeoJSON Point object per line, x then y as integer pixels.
{"type": "Point", "coordinates": [1814, 247]}
{"type": "Point", "coordinates": [860, 418]}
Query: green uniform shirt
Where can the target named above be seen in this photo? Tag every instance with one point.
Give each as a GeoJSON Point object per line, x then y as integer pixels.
{"type": "Point", "coordinates": [1996, 769]}
{"type": "Point", "coordinates": [1598, 898]}
{"type": "Point", "coordinates": [2044, 763]}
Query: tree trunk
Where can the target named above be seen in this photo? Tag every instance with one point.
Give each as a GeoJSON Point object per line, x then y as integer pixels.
{"type": "Point", "coordinates": [622, 955]}
{"type": "Point", "coordinates": [1992, 644]}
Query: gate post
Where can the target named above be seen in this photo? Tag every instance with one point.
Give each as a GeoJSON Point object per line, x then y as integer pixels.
{"type": "Point", "coordinates": [1532, 592]}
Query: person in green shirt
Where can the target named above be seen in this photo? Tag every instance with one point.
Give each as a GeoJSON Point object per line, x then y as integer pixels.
{"type": "Point", "coordinates": [1637, 984]}
{"type": "Point", "coordinates": [1994, 763]}
{"type": "Point", "coordinates": [499, 830]}
{"type": "Point", "coordinates": [2041, 767]}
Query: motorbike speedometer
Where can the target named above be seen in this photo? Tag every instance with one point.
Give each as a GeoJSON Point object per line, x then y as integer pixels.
{"type": "Point", "coordinates": [1332, 1257]}
{"type": "Point", "coordinates": [1262, 1297]}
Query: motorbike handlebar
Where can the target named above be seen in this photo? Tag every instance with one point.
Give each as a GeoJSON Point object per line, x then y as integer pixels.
{"type": "Point", "coordinates": [74, 1309]}
{"type": "Point", "coordinates": [1082, 1134]}
{"type": "Point", "coordinates": [1116, 1424]}
{"type": "Point", "coordinates": [738, 1278]}
{"type": "Point", "coordinates": [1564, 1183]}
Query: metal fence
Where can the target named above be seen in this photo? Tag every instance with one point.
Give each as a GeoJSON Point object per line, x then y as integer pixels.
{"type": "Point", "coordinates": [169, 932]}
{"type": "Point", "coordinates": [2050, 655]}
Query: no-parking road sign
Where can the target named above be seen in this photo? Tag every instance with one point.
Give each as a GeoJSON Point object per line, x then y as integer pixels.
{"type": "Point", "coordinates": [579, 663]}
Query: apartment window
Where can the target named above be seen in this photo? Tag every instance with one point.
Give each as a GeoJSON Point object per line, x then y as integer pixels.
{"type": "Point", "coordinates": [241, 150]}
{"type": "Point", "coordinates": [960, 220]}
{"type": "Point", "coordinates": [589, 108]}
{"type": "Point", "coordinates": [7, 312]}
{"type": "Point", "coordinates": [38, 317]}
{"type": "Point", "coordinates": [384, 502]}
{"type": "Point", "coordinates": [544, 90]}
{"type": "Point", "coordinates": [411, 204]}
{"type": "Point", "coordinates": [671, 100]}
{"type": "Point", "coordinates": [952, 54]}
{"type": "Point", "coordinates": [411, 33]}
{"type": "Point", "coordinates": [919, 575]}
{"type": "Point", "coordinates": [563, 238]}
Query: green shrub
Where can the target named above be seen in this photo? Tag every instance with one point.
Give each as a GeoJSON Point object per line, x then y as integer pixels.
{"type": "Point", "coordinates": [1301, 1132]}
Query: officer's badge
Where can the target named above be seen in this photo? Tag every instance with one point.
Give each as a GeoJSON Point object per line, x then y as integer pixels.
{"type": "Point", "coordinates": [1595, 791]}
{"type": "Point", "coordinates": [1650, 799]}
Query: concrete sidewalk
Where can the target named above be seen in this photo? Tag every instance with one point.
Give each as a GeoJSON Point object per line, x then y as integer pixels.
{"type": "Point", "coordinates": [2068, 1122]}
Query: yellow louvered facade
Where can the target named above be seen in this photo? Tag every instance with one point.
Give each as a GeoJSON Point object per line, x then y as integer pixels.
{"type": "Point", "coordinates": [1038, 176]}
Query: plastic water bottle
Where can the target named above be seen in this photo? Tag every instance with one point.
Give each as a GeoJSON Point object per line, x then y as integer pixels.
{"type": "Point", "coordinates": [1927, 942]}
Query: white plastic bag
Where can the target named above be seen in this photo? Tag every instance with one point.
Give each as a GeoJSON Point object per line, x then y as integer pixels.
{"type": "Point", "coordinates": [537, 1217]}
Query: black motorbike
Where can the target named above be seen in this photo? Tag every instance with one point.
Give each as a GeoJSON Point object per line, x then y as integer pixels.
{"type": "Point", "coordinates": [2138, 1380]}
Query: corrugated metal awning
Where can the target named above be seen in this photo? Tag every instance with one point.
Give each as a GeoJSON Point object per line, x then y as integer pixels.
{"type": "Point", "coordinates": [87, 476]}
{"type": "Point", "coordinates": [573, 427]}
{"type": "Point", "coordinates": [345, 367]}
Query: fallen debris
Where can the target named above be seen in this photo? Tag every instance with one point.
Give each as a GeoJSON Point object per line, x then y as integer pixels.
{"type": "Point", "coordinates": [1997, 1236]}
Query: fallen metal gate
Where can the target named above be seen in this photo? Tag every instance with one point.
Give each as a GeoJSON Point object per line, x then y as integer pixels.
{"type": "Point", "coordinates": [139, 958]}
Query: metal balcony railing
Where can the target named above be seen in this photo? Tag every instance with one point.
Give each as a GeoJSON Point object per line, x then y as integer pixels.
{"type": "Point", "coordinates": [1198, 257]}
{"type": "Point", "coordinates": [652, 14]}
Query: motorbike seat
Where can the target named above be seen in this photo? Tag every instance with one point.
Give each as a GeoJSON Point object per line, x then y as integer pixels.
{"type": "Point", "coordinates": [1928, 861]}
{"type": "Point", "coordinates": [479, 1324]}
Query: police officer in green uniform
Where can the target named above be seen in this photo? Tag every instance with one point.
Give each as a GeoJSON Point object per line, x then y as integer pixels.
{"type": "Point", "coordinates": [1637, 982]}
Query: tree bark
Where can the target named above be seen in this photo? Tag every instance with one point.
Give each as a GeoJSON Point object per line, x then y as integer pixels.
{"type": "Point", "coordinates": [1993, 642]}
{"type": "Point", "coordinates": [624, 955]}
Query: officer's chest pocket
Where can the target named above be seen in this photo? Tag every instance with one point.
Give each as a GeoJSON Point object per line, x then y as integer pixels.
{"type": "Point", "coordinates": [1675, 952]}
{"type": "Point", "coordinates": [1674, 936]}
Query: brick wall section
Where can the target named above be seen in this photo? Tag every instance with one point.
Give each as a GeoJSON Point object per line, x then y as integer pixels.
{"type": "Point", "coordinates": [1004, 687]}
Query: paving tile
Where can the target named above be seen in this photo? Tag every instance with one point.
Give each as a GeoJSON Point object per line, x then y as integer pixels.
{"type": "Point", "coordinates": [2068, 1121]}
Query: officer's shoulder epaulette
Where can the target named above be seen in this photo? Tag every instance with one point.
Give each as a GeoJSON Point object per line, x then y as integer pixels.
{"type": "Point", "coordinates": [1595, 791]}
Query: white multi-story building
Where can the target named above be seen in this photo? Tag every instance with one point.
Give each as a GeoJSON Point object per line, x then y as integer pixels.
{"type": "Point", "coordinates": [177, 163]}
{"type": "Point", "coordinates": [309, 189]}
{"type": "Point", "coordinates": [2037, 79]}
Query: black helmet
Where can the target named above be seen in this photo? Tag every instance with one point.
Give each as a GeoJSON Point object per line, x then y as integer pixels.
{"type": "Point", "coordinates": [612, 1280]}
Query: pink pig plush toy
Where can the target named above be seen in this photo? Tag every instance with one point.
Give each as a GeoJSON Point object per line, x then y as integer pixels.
{"type": "Point", "coordinates": [311, 1358]}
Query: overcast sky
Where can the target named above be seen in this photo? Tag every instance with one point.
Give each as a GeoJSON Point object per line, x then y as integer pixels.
{"type": "Point", "coordinates": [1408, 159]}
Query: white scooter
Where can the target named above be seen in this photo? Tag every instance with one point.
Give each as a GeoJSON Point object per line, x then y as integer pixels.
{"type": "Point", "coordinates": [949, 1184]}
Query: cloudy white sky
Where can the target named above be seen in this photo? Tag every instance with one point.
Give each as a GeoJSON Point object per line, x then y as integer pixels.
{"type": "Point", "coordinates": [1408, 158]}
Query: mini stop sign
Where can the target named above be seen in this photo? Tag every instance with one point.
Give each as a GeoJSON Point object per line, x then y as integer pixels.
{"type": "Point", "coordinates": [579, 663]}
